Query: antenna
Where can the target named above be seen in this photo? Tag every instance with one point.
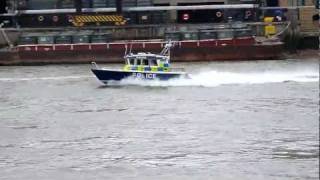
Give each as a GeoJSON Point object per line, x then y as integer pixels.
{"type": "Point", "coordinates": [166, 50]}
{"type": "Point", "coordinates": [130, 48]}
{"type": "Point", "coordinates": [126, 47]}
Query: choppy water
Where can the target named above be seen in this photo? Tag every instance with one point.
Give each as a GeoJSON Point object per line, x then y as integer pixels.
{"type": "Point", "coordinates": [232, 120]}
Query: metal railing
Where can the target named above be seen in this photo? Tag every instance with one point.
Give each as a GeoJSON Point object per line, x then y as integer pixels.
{"type": "Point", "coordinates": [4, 34]}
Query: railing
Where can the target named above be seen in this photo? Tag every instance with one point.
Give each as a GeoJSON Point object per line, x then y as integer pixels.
{"type": "Point", "coordinates": [5, 36]}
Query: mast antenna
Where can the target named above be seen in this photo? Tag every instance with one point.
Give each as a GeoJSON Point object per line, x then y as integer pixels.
{"type": "Point", "coordinates": [166, 50]}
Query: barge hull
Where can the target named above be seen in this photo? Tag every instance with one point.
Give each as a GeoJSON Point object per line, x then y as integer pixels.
{"type": "Point", "coordinates": [114, 52]}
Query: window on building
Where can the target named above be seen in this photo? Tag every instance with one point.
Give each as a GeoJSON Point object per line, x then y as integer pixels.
{"type": "Point", "coordinates": [56, 4]}
{"type": "Point", "coordinates": [40, 4]}
{"type": "Point", "coordinates": [3, 6]}
{"type": "Point", "coordinates": [301, 3]}
{"type": "Point", "coordinates": [86, 3]}
{"type": "Point", "coordinates": [64, 4]}
{"type": "Point", "coordinates": [99, 3]}
{"type": "Point", "coordinates": [272, 3]}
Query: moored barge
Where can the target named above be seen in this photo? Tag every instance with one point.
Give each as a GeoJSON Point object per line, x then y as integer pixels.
{"type": "Point", "coordinates": [100, 31]}
{"type": "Point", "coordinates": [217, 44]}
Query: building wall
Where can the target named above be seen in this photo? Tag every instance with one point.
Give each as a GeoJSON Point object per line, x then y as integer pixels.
{"type": "Point", "coordinates": [304, 14]}
{"type": "Point", "coordinates": [175, 2]}
{"type": "Point", "coordinates": [50, 4]}
{"type": "Point", "coordinates": [283, 3]}
{"type": "Point", "coordinates": [305, 17]}
{"type": "Point", "coordinates": [60, 4]}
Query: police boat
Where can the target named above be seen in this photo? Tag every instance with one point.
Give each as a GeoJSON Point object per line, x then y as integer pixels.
{"type": "Point", "coordinates": [146, 66]}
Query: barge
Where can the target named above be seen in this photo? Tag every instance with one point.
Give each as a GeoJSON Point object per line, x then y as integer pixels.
{"type": "Point", "coordinates": [80, 31]}
{"type": "Point", "coordinates": [215, 44]}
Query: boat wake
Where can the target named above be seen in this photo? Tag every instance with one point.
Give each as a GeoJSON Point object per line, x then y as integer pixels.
{"type": "Point", "coordinates": [216, 78]}
{"type": "Point", "coordinates": [204, 79]}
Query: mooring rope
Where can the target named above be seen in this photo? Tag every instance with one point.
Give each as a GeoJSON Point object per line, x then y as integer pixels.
{"type": "Point", "coordinates": [283, 30]}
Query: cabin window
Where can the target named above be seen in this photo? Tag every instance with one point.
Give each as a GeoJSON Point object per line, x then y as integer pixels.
{"type": "Point", "coordinates": [45, 40]}
{"type": "Point", "coordinates": [98, 39]}
{"type": "Point", "coordinates": [27, 40]}
{"type": "Point", "coordinates": [160, 60]}
{"type": "Point", "coordinates": [146, 62]}
{"type": "Point", "coordinates": [225, 34]}
{"type": "Point", "coordinates": [131, 61]}
{"type": "Point", "coordinates": [135, 62]}
{"type": "Point", "coordinates": [63, 39]}
{"type": "Point", "coordinates": [78, 39]}
{"type": "Point", "coordinates": [141, 62]}
{"type": "Point", "coordinates": [153, 62]}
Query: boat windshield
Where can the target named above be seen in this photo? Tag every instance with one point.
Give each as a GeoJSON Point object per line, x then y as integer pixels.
{"type": "Point", "coordinates": [141, 62]}
{"type": "Point", "coordinates": [152, 61]}
{"type": "Point", "coordinates": [146, 61]}
{"type": "Point", "coordinates": [130, 61]}
{"type": "Point", "coordinates": [160, 59]}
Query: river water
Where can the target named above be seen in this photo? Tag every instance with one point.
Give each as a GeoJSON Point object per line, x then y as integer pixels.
{"type": "Point", "coordinates": [231, 120]}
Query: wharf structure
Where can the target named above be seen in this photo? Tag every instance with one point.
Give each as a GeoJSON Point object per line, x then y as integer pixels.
{"type": "Point", "coordinates": [38, 22]}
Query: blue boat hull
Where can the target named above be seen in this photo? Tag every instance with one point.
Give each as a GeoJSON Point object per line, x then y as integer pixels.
{"type": "Point", "coordinates": [113, 75]}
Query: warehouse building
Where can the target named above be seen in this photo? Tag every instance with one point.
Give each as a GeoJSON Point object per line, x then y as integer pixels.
{"type": "Point", "coordinates": [40, 13]}
{"type": "Point", "coordinates": [58, 12]}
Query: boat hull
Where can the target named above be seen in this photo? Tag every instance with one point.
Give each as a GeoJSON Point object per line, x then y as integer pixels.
{"type": "Point", "coordinates": [106, 76]}
{"type": "Point", "coordinates": [183, 51]}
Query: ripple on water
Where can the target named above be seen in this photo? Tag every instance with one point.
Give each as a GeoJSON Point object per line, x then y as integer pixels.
{"type": "Point", "coordinates": [24, 127]}
{"type": "Point", "coordinates": [295, 153]}
{"type": "Point", "coordinates": [261, 129]}
{"type": "Point", "coordinates": [101, 110]}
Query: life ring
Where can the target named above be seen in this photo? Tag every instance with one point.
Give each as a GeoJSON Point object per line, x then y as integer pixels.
{"type": "Point", "coordinates": [40, 18]}
{"type": "Point", "coordinates": [70, 18]}
{"type": "Point", "coordinates": [55, 18]}
{"type": "Point", "coordinates": [248, 13]}
{"type": "Point", "coordinates": [185, 17]}
{"type": "Point", "coordinates": [218, 14]}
